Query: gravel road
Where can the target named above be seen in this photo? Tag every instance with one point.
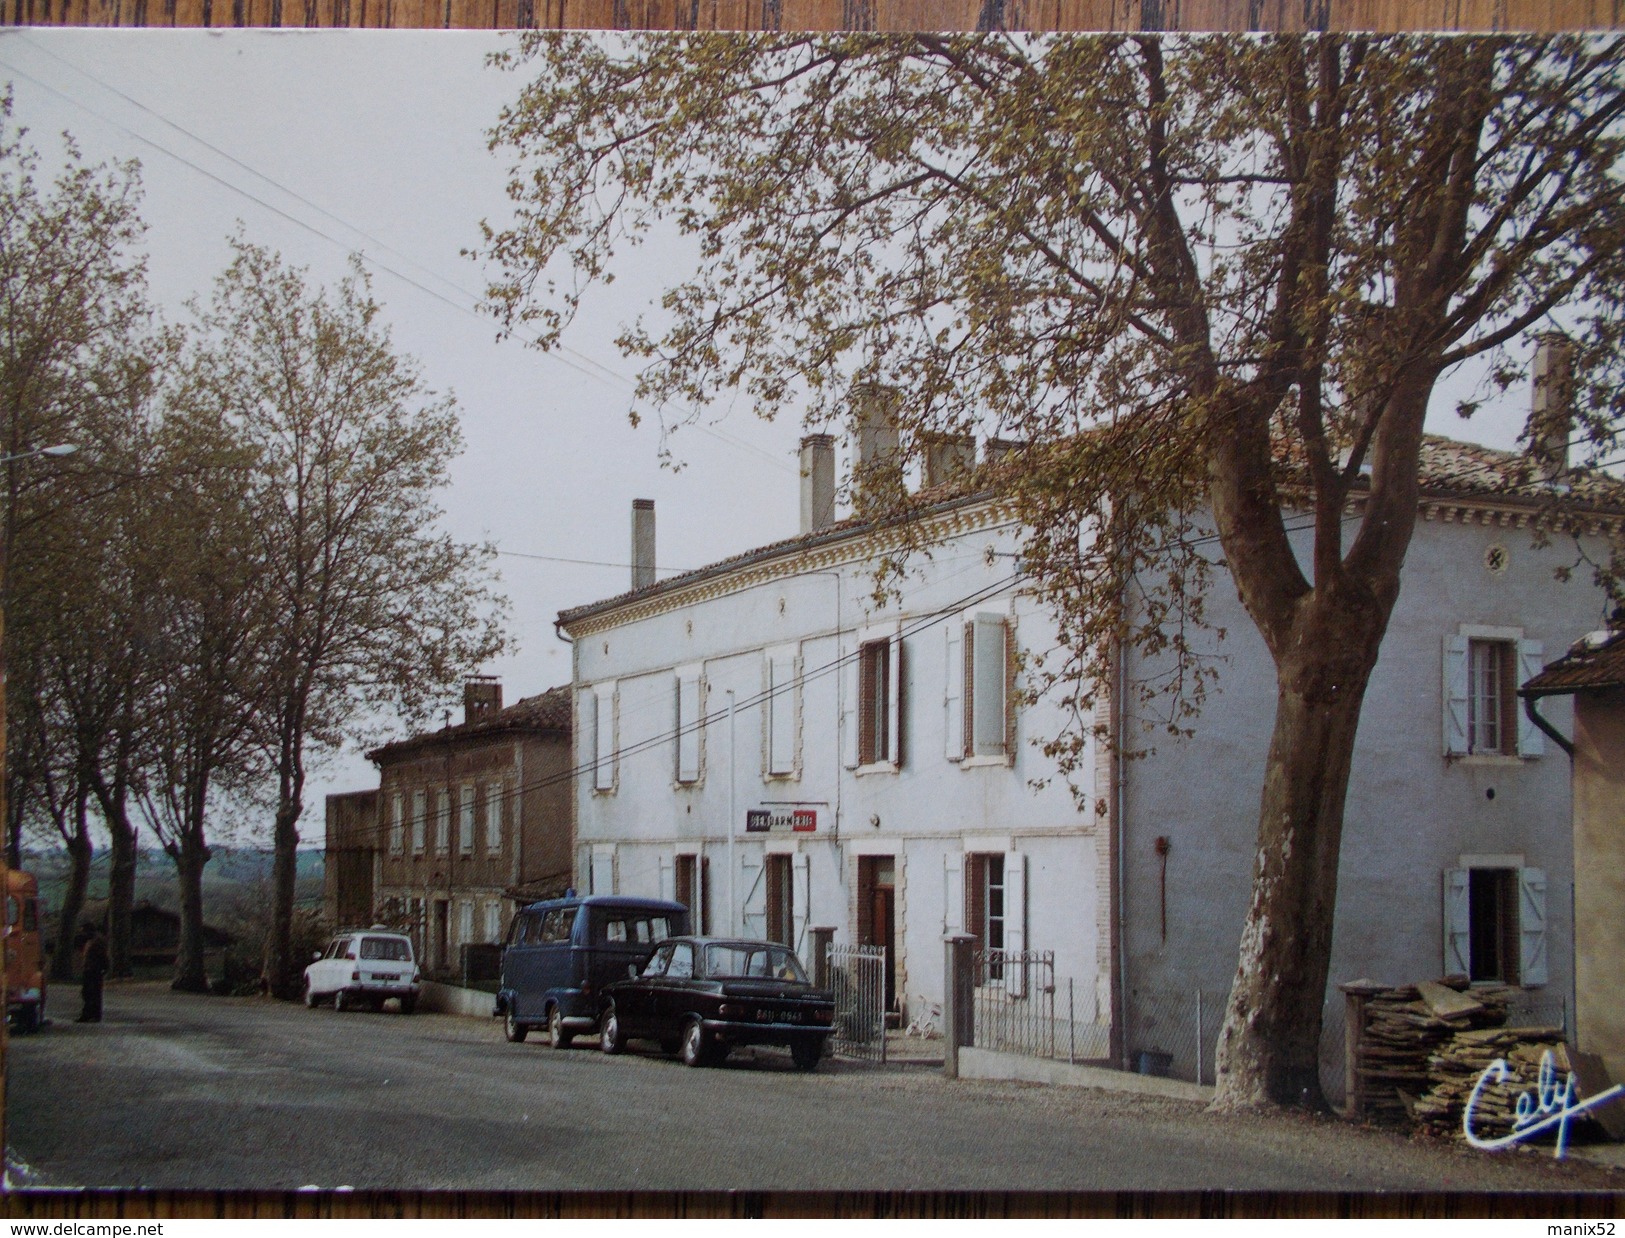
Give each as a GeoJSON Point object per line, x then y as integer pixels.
{"type": "Point", "coordinates": [176, 1091]}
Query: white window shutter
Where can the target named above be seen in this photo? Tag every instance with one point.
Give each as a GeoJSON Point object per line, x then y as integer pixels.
{"type": "Point", "coordinates": [1457, 922]}
{"type": "Point", "coordinates": [1532, 967]}
{"type": "Point", "coordinates": [668, 878]}
{"type": "Point", "coordinates": [988, 722]}
{"type": "Point", "coordinates": [781, 714]}
{"type": "Point", "coordinates": [753, 906]}
{"type": "Point", "coordinates": [894, 702]}
{"type": "Point", "coordinates": [801, 901]}
{"type": "Point", "coordinates": [602, 872]}
{"type": "Point", "coordinates": [1455, 695]}
{"type": "Point", "coordinates": [849, 709]}
{"type": "Point", "coordinates": [1531, 661]}
{"type": "Point", "coordinates": [953, 893]}
{"type": "Point", "coordinates": [688, 728]}
{"type": "Point", "coordinates": [603, 731]}
{"type": "Point", "coordinates": [1015, 921]}
{"type": "Point", "coordinates": [953, 710]}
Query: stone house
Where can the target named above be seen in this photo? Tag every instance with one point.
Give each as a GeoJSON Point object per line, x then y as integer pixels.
{"type": "Point", "coordinates": [468, 821]}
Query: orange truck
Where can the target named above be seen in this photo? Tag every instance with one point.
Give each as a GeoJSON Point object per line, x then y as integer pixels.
{"type": "Point", "coordinates": [25, 964]}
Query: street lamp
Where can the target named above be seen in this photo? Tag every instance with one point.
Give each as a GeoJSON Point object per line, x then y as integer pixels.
{"type": "Point", "coordinates": [61, 449]}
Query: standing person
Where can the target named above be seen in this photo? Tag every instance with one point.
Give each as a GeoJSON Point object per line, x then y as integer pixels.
{"type": "Point", "coordinates": [94, 968]}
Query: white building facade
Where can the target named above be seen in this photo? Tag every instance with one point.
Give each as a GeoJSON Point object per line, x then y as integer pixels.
{"type": "Point", "coordinates": [761, 740]}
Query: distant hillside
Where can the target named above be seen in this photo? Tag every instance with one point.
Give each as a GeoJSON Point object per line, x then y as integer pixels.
{"type": "Point", "coordinates": [236, 881]}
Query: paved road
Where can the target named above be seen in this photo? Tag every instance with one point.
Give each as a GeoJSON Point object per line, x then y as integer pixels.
{"type": "Point", "coordinates": [177, 1091]}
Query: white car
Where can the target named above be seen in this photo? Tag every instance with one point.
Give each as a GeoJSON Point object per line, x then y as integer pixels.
{"type": "Point", "coordinates": [364, 967]}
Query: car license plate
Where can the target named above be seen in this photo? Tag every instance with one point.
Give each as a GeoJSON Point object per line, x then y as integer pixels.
{"type": "Point", "coordinates": [383, 976]}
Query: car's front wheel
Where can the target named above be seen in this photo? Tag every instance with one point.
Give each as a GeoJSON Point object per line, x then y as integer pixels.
{"type": "Point", "coordinates": [512, 1028]}
{"type": "Point", "coordinates": [310, 995]}
{"type": "Point", "coordinates": [557, 1037]}
{"type": "Point", "coordinates": [806, 1053]}
{"type": "Point", "coordinates": [610, 1038]}
{"type": "Point", "coordinates": [694, 1050]}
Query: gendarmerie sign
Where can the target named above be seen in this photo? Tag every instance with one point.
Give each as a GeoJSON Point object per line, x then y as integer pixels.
{"type": "Point", "coordinates": [781, 820]}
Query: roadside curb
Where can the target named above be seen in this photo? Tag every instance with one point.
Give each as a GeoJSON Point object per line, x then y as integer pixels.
{"type": "Point", "coordinates": [1011, 1067]}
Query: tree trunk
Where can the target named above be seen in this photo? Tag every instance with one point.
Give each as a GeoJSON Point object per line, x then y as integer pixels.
{"type": "Point", "coordinates": [1269, 1045]}
{"type": "Point", "coordinates": [122, 853]}
{"type": "Point", "coordinates": [191, 975]}
{"type": "Point", "coordinates": [73, 903]}
{"type": "Point", "coordinates": [120, 895]}
{"type": "Point", "coordinates": [280, 968]}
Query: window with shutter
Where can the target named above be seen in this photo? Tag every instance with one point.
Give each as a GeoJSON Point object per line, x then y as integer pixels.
{"type": "Point", "coordinates": [753, 903]}
{"type": "Point", "coordinates": [602, 872]}
{"type": "Point", "coordinates": [953, 697]}
{"type": "Point", "coordinates": [397, 825]}
{"type": "Point", "coordinates": [465, 821]}
{"type": "Point", "coordinates": [879, 702]}
{"type": "Point", "coordinates": [1495, 925]}
{"type": "Point", "coordinates": [442, 821]}
{"type": "Point", "coordinates": [419, 813]}
{"type": "Point", "coordinates": [1483, 667]}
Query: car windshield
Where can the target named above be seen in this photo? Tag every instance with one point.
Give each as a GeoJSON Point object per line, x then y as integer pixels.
{"type": "Point", "coordinates": [740, 959]}
{"type": "Point", "coordinates": [394, 949]}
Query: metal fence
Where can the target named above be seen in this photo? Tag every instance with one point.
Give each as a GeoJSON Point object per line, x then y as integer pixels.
{"type": "Point", "coordinates": [857, 977]}
{"type": "Point", "coordinates": [1021, 1007]}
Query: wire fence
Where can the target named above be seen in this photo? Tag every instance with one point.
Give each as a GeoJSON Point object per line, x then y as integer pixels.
{"type": "Point", "coordinates": [1020, 1006]}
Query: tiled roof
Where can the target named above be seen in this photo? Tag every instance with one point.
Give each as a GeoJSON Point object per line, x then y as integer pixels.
{"type": "Point", "coordinates": [1597, 661]}
{"type": "Point", "coordinates": [547, 711]}
{"type": "Point", "coordinates": [1448, 469]}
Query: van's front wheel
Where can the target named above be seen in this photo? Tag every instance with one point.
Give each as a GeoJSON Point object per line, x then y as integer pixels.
{"type": "Point", "coordinates": [557, 1037]}
{"type": "Point", "coordinates": [512, 1028]}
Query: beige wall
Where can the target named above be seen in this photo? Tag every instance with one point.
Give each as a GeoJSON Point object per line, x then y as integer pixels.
{"type": "Point", "coordinates": [1599, 875]}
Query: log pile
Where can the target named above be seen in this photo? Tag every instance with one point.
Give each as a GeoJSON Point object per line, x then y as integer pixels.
{"type": "Point", "coordinates": [1405, 1026]}
{"type": "Point", "coordinates": [1458, 1063]}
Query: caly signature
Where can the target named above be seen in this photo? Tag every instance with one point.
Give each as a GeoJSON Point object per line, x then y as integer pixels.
{"type": "Point", "coordinates": [1550, 1103]}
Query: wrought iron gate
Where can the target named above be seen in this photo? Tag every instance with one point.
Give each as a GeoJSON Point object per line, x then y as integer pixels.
{"type": "Point", "coordinates": [857, 976]}
{"type": "Point", "coordinates": [1015, 1002]}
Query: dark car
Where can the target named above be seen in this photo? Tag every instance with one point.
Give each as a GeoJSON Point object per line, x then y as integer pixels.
{"type": "Point", "coordinates": [701, 996]}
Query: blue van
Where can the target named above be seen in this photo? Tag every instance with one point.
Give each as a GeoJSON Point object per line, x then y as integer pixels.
{"type": "Point", "coordinates": [561, 952]}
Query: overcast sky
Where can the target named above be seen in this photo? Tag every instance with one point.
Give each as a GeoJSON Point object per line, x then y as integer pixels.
{"type": "Point", "coordinates": [332, 142]}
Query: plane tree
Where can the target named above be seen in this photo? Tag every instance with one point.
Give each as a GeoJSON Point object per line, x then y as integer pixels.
{"type": "Point", "coordinates": [376, 606]}
{"type": "Point", "coordinates": [1208, 281]}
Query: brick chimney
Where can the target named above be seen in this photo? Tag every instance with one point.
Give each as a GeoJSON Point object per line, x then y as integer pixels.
{"type": "Point", "coordinates": [947, 457]}
{"type": "Point", "coordinates": [1551, 412]}
{"type": "Point", "coordinates": [482, 697]}
{"type": "Point", "coordinates": [817, 482]}
{"type": "Point", "coordinates": [877, 470]}
{"type": "Point", "coordinates": [643, 543]}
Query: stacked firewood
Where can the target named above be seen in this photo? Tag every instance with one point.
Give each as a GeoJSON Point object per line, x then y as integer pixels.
{"type": "Point", "coordinates": [1457, 1065]}
{"type": "Point", "coordinates": [1404, 1027]}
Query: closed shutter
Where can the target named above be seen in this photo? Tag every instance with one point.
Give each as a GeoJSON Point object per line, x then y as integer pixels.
{"type": "Point", "coordinates": [603, 872]}
{"type": "Point", "coordinates": [953, 893]}
{"type": "Point", "coordinates": [781, 715]}
{"type": "Point", "coordinates": [894, 703]}
{"type": "Point", "coordinates": [668, 879]}
{"type": "Point", "coordinates": [990, 661]}
{"type": "Point", "coordinates": [1531, 660]}
{"type": "Point", "coordinates": [603, 730]}
{"type": "Point", "coordinates": [688, 728]}
{"type": "Point", "coordinates": [1455, 695]}
{"type": "Point", "coordinates": [953, 715]}
{"type": "Point", "coordinates": [1532, 966]}
{"type": "Point", "coordinates": [1457, 923]}
{"type": "Point", "coordinates": [753, 907]}
{"type": "Point", "coordinates": [801, 903]}
{"type": "Point", "coordinates": [1015, 922]}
